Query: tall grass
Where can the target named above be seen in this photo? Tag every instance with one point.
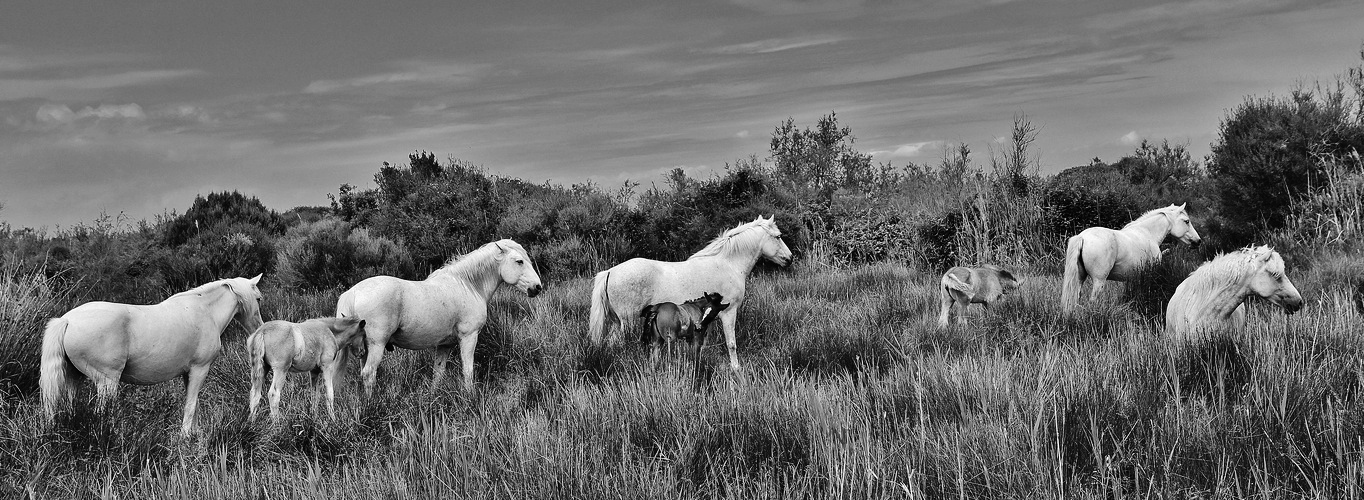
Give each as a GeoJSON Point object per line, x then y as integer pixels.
{"type": "Point", "coordinates": [848, 390]}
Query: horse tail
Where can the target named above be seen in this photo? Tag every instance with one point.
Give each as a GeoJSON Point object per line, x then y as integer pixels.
{"type": "Point", "coordinates": [52, 371]}
{"type": "Point", "coordinates": [601, 306]}
{"type": "Point", "coordinates": [255, 351]}
{"type": "Point", "coordinates": [1074, 276]}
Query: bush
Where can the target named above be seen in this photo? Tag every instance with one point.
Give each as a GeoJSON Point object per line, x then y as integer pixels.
{"type": "Point", "coordinates": [1266, 155]}
{"type": "Point", "coordinates": [330, 254]}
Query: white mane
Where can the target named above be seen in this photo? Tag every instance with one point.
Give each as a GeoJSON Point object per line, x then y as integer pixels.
{"type": "Point", "coordinates": [729, 242]}
{"type": "Point", "coordinates": [1170, 210]}
{"type": "Point", "coordinates": [1230, 269]}
{"type": "Point", "coordinates": [479, 262]}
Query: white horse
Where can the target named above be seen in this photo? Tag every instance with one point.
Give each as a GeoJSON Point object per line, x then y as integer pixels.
{"type": "Point", "coordinates": [1119, 255]}
{"type": "Point", "coordinates": [621, 292]}
{"type": "Point", "coordinates": [449, 307]}
{"type": "Point", "coordinates": [1211, 297]}
{"type": "Point", "coordinates": [962, 286]}
{"type": "Point", "coordinates": [144, 345]}
{"type": "Point", "coordinates": [317, 345]}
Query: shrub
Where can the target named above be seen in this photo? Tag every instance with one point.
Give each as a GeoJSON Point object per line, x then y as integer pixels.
{"type": "Point", "coordinates": [330, 254]}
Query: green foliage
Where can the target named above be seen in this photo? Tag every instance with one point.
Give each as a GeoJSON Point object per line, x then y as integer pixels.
{"type": "Point", "coordinates": [1267, 155]}
{"type": "Point", "coordinates": [331, 254]}
{"type": "Point", "coordinates": [222, 235]}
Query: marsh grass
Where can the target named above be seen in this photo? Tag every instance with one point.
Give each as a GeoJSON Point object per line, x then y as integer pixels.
{"type": "Point", "coordinates": [848, 390]}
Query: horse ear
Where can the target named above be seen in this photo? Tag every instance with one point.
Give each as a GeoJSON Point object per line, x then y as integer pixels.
{"type": "Point", "coordinates": [1181, 205]}
{"type": "Point", "coordinates": [257, 278]}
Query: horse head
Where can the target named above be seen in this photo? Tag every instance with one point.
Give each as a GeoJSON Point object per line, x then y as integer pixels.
{"type": "Point", "coordinates": [248, 301]}
{"type": "Point", "coordinates": [516, 268]}
{"type": "Point", "coordinates": [1007, 282]}
{"type": "Point", "coordinates": [1269, 281]}
{"type": "Point", "coordinates": [1180, 225]}
{"type": "Point", "coordinates": [349, 332]}
{"type": "Point", "coordinates": [773, 248]}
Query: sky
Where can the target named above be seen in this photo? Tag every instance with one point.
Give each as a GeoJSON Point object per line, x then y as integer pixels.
{"type": "Point", "coordinates": [136, 107]}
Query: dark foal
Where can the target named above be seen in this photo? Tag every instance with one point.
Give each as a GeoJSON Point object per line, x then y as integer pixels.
{"type": "Point", "coordinates": [667, 321]}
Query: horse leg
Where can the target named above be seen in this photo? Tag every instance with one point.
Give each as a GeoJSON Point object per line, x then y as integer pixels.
{"type": "Point", "coordinates": [369, 373]}
{"type": "Point", "coordinates": [194, 380]}
{"type": "Point", "coordinates": [329, 380]}
{"type": "Point", "coordinates": [962, 306]}
{"type": "Point", "coordinates": [279, 376]}
{"type": "Point", "coordinates": [727, 320]}
{"type": "Point", "coordinates": [106, 389]}
{"type": "Point", "coordinates": [316, 381]}
{"type": "Point", "coordinates": [466, 355]}
{"type": "Point", "coordinates": [442, 359]}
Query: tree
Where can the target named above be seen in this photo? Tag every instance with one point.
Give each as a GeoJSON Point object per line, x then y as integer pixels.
{"type": "Point", "coordinates": [1267, 155]}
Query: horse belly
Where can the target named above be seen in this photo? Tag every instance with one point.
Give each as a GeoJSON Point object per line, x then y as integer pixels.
{"type": "Point", "coordinates": [426, 333]}
{"type": "Point", "coordinates": [680, 282]}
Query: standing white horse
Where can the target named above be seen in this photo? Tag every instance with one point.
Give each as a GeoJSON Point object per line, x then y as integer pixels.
{"type": "Point", "coordinates": [1211, 297]}
{"type": "Point", "coordinates": [621, 292]}
{"type": "Point", "coordinates": [144, 345]}
{"type": "Point", "coordinates": [1118, 255]}
{"type": "Point", "coordinates": [449, 307]}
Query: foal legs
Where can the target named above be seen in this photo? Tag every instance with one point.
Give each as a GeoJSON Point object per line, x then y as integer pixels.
{"type": "Point", "coordinates": [278, 376]}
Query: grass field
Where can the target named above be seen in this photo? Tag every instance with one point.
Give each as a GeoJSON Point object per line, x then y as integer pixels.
{"type": "Point", "coordinates": [848, 390]}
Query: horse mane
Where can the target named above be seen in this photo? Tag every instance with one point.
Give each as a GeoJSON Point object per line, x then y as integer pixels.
{"type": "Point", "coordinates": [726, 241]}
{"type": "Point", "coordinates": [204, 287]}
{"type": "Point", "coordinates": [1226, 270]}
{"type": "Point", "coordinates": [1149, 213]}
{"type": "Point", "coordinates": [478, 262]}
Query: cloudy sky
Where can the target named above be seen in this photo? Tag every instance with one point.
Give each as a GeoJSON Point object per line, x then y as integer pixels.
{"type": "Point", "coordinates": [136, 107]}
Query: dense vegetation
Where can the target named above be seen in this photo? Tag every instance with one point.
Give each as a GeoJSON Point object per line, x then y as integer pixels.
{"type": "Point", "coordinates": [848, 389]}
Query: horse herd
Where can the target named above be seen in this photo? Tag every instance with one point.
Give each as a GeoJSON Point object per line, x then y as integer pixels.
{"type": "Point", "coordinates": [180, 337]}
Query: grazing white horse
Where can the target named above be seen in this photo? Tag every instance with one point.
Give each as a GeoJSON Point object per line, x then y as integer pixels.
{"type": "Point", "coordinates": [449, 307]}
{"type": "Point", "coordinates": [963, 286]}
{"type": "Point", "coordinates": [317, 345]}
{"type": "Point", "coordinates": [1211, 297]}
{"type": "Point", "coordinates": [144, 345]}
{"type": "Point", "coordinates": [621, 292]}
{"type": "Point", "coordinates": [1119, 255]}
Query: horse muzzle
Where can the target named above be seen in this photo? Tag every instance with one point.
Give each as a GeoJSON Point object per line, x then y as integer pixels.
{"type": "Point", "coordinates": [532, 291]}
{"type": "Point", "coordinates": [1292, 305]}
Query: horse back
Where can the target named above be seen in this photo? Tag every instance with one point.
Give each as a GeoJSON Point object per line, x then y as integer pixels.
{"type": "Point", "coordinates": [638, 282]}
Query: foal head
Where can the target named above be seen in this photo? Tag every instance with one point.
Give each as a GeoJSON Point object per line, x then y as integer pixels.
{"type": "Point", "coordinates": [348, 331]}
{"type": "Point", "coordinates": [1268, 279]}
{"type": "Point", "coordinates": [516, 269]}
{"type": "Point", "coordinates": [1007, 282]}
{"type": "Point", "coordinates": [710, 304]}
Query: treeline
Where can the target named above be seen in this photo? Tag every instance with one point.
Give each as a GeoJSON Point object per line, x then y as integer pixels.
{"type": "Point", "coordinates": [1284, 170]}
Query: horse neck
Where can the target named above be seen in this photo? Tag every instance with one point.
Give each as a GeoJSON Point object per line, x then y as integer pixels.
{"type": "Point", "coordinates": [218, 299]}
{"type": "Point", "coordinates": [1220, 301]}
{"type": "Point", "coordinates": [1155, 227]}
{"type": "Point", "coordinates": [477, 274]}
{"type": "Point", "coordinates": [738, 254]}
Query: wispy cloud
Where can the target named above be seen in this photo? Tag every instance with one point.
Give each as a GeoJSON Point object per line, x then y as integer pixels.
{"type": "Point", "coordinates": [911, 150]}
{"type": "Point", "coordinates": [79, 87]}
{"type": "Point", "coordinates": [406, 73]}
{"type": "Point", "coordinates": [777, 45]}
